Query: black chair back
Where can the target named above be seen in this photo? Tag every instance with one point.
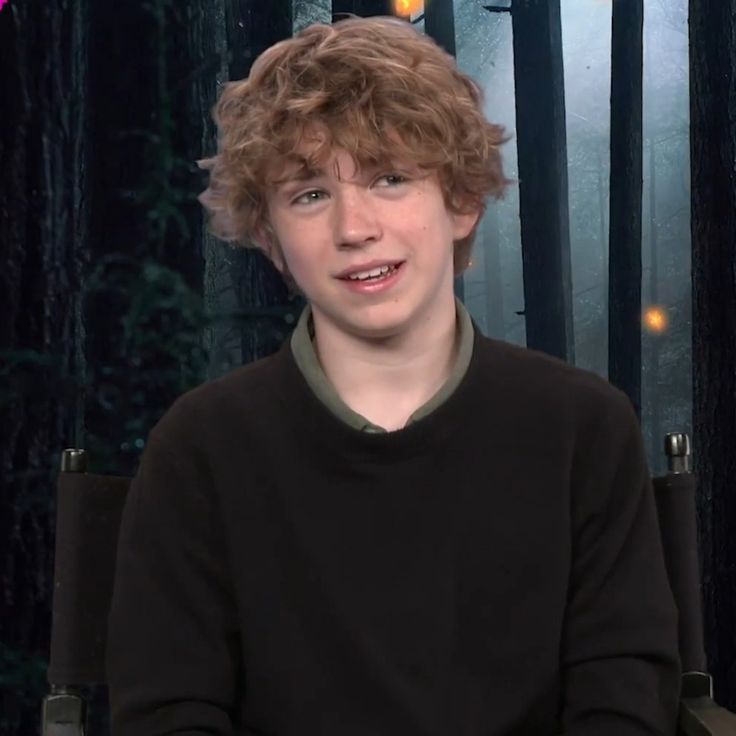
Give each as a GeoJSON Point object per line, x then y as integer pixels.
{"type": "Point", "coordinates": [675, 493]}
{"type": "Point", "coordinates": [88, 513]}
{"type": "Point", "coordinates": [675, 497]}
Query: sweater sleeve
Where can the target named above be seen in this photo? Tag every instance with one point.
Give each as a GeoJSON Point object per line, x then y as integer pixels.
{"type": "Point", "coordinates": [620, 662]}
{"type": "Point", "coordinates": [172, 655]}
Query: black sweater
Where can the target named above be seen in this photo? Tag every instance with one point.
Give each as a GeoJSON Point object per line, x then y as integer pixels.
{"type": "Point", "coordinates": [493, 569]}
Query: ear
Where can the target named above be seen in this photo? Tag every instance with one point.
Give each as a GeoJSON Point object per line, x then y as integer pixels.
{"type": "Point", "coordinates": [265, 240]}
{"type": "Point", "coordinates": [277, 259]}
{"type": "Point", "coordinates": [463, 224]}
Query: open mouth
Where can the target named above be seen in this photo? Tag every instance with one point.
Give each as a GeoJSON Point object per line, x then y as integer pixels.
{"type": "Point", "coordinates": [375, 276]}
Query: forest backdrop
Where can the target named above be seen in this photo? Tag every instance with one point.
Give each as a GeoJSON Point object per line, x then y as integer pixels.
{"type": "Point", "coordinates": [115, 299]}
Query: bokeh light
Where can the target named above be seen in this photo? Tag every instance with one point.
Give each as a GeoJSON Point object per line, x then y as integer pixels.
{"type": "Point", "coordinates": [655, 319]}
{"type": "Point", "coordinates": [407, 7]}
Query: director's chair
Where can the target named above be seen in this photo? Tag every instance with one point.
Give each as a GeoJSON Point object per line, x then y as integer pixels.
{"type": "Point", "coordinates": [89, 509]}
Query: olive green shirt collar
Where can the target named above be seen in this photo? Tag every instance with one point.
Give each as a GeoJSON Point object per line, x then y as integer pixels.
{"type": "Point", "coordinates": [307, 361]}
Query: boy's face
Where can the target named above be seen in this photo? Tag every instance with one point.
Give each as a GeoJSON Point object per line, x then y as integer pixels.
{"type": "Point", "coordinates": [341, 219]}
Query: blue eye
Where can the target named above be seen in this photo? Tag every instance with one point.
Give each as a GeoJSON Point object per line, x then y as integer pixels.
{"type": "Point", "coordinates": [402, 179]}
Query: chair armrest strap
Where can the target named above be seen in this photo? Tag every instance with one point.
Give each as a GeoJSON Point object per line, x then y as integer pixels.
{"type": "Point", "coordinates": [704, 717]}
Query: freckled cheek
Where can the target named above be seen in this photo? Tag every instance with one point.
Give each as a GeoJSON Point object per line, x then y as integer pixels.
{"type": "Point", "coordinates": [305, 266]}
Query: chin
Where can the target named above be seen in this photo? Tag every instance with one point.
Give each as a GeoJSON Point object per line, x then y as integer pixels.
{"type": "Point", "coordinates": [381, 326]}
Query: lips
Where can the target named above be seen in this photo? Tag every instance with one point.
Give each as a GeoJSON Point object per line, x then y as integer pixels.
{"type": "Point", "coordinates": [366, 267]}
{"type": "Point", "coordinates": [373, 286]}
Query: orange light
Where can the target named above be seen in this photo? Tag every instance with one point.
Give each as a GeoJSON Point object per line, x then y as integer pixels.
{"type": "Point", "coordinates": [655, 319]}
{"type": "Point", "coordinates": [407, 7]}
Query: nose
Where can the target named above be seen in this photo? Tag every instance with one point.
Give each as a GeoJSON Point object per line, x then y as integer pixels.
{"type": "Point", "coordinates": [356, 220]}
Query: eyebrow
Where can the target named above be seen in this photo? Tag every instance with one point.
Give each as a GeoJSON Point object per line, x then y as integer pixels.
{"type": "Point", "coordinates": [305, 173]}
{"type": "Point", "coordinates": [299, 176]}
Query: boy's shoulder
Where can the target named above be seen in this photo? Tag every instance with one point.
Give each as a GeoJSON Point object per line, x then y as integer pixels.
{"type": "Point", "coordinates": [527, 366]}
{"type": "Point", "coordinates": [242, 393]}
{"type": "Point", "coordinates": [525, 377]}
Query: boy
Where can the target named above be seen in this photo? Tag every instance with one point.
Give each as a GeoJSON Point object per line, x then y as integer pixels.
{"type": "Point", "coordinates": [394, 525]}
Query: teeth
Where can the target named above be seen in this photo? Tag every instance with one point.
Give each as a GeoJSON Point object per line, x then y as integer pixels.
{"type": "Point", "coordinates": [371, 274]}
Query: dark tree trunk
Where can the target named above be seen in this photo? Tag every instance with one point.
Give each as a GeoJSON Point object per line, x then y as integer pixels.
{"type": "Point", "coordinates": [258, 292]}
{"type": "Point", "coordinates": [543, 196]}
{"type": "Point", "coordinates": [363, 8]}
{"type": "Point", "coordinates": [624, 286]}
{"type": "Point", "coordinates": [439, 24]}
{"type": "Point", "coordinates": [42, 151]}
{"type": "Point", "coordinates": [209, 28]}
{"type": "Point", "coordinates": [713, 217]}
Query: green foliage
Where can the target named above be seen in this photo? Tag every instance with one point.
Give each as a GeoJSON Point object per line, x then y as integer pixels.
{"type": "Point", "coordinates": [157, 353]}
{"type": "Point", "coordinates": [159, 301]}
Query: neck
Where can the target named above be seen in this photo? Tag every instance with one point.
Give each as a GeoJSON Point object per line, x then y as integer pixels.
{"type": "Point", "coordinates": [391, 377]}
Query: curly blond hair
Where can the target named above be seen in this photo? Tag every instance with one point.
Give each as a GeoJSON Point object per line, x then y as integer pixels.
{"type": "Point", "coordinates": [375, 87]}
